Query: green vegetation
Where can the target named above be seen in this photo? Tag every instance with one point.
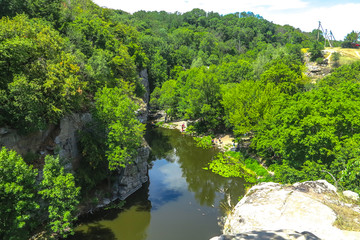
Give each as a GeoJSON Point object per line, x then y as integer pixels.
{"type": "Point", "coordinates": [21, 197]}
{"type": "Point", "coordinates": [234, 164]}
{"type": "Point", "coordinates": [235, 72]}
{"type": "Point", "coordinates": [59, 190]}
{"type": "Point", "coordinates": [18, 196]}
{"type": "Point", "coordinates": [204, 142]}
{"type": "Point", "coordinates": [57, 58]}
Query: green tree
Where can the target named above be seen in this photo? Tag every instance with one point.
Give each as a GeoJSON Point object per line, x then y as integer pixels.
{"type": "Point", "coordinates": [352, 37]}
{"type": "Point", "coordinates": [310, 126]}
{"type": "Point", "coordinates": [246, 103]}
{"type": "Point", "coordinates": [231, 72]}
{"type": "Point", "coordinates": [168, 98]}
{"type": "Point", "coordinates": [199, 91]}
{"type": "Point", "coordinates": [335, 57]}
{"type": "Point", "coordinates": [315, 51]}
{"type": "Point", "coordinates": [60, 193]}
{"type": "Point", "coordinates": [124, 131]}
{"type": "Point", "coordinates": [158, 69]}
{"type": "Point", "coordinates": [17, 196]}
{"type": "Point", "coordinates": [282, 75]}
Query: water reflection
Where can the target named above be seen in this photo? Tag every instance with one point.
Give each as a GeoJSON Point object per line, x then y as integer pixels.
{"type": "Point", "coordinates": [203, 183]}
{"type": "Point", "coordinates": [181, 200]}
{"type": "Point", "coordinates": [166, 183]}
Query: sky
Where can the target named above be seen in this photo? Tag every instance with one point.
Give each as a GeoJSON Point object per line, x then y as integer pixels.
{"type": "Point", "coordinates": [339, 16]}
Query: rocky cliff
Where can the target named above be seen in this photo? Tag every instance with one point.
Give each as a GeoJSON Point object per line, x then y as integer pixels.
{"type": "Point", "coordinates": [308, 210]}
{"type": "Point", "coordinates": [63, 139]}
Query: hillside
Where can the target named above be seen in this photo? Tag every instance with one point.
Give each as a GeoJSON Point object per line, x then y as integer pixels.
{"type": "Point", "coordinates": [317, 71]}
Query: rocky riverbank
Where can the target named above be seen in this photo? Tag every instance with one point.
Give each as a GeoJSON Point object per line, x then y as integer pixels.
{"type": "Point", "coordinates": [222, 141]}
{"type": "Point", "coordinates": [308, 210]}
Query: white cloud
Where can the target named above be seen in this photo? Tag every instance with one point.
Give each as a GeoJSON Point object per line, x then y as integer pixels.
{"type": "Point", "coordinates": [172, 175]}
{"type": "Point", "coordinates": [340, 19]}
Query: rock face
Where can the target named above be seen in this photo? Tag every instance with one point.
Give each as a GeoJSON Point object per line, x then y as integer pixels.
{"type": "Point", "coordinates": [145, 82]}
{"type": "Point", "coordinates": [63, 139]}
{"type": "Point", "coordinates": [133, 176]}
{"type": "Point", "coordinates": [35, 142]}
{"type": "Point", "coordinates": [67, 139]}
{"type": "Point", "coordinates": [272, 210]}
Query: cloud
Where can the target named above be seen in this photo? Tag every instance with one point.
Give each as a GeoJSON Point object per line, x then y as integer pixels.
{"type": "Point", "coordinates": [172, 175]}
{"type": "Point", "coordinates": [341, 19]}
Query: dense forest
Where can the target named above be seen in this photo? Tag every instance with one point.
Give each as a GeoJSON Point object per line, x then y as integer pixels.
{"type": "Point", "coordinates": [234, 73]}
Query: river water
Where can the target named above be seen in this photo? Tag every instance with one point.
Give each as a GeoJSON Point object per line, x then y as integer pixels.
{"type": "Point", "coordinates": [182, 200]}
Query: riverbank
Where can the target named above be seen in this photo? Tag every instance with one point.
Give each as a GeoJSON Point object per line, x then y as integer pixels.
{"type": "Point", "coordinates": [222, 141]}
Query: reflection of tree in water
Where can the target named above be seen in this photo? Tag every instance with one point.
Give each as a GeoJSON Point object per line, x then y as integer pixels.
{"type": "Point", "coordinates": [159, 143]}
{"type": "Point", "coordinates": [130, 222]}
{"type": "Point", "coordinates": [192, 160]}
{"type": "Point", "coordinates": [94, 232]}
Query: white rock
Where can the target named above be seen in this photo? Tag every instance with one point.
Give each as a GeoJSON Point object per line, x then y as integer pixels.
{"type": "Point", "coordinates": [274, 207]}
{"type": "Point", "coordinates": [350, 194]}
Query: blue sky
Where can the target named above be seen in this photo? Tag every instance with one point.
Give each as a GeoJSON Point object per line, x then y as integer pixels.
{"type": "Point", "coordinates": [341, 17]}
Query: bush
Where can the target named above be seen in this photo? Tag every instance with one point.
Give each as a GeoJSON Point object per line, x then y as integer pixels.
{"type": "Point", "coordinates": [204, 142]}
{"type": "Point", "coordinates": [319, 61]}
{"type": "Point", "coordinates": [315, 51]}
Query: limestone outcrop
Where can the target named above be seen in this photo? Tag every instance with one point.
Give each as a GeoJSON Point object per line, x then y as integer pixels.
{"type": "Point", "coordinates": [133, 176]}
{"type": "Point", "coordinates": [39, 141]}
{"type": "Point", "coordinates": [67, 139]}
{"type": "Point", "coordinates": [305, 210]}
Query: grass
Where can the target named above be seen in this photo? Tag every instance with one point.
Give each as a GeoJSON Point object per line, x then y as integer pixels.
{"type": "Point", "coordinates": [348, 55]}
{"type": "Point", "coordinates": [347, 60]}
{"type": "Point", "coordinates": [347, 219]}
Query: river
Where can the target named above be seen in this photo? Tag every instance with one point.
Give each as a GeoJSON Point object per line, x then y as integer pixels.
{"type": "Point", "coordinates": [182, 200]}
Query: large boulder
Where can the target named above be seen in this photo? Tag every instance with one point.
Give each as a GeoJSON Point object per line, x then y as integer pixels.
{"type": "Point", "coordinates": [304, 209]}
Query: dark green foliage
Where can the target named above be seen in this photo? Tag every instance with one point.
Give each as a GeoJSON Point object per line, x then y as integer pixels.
{"type": "Point", "coordinates": [315, 132]}
{"type": "Point", "coordinates": [39, 81]}
{"type": "Point", "coordinates": [47, 9]}
{"type": "Point", "coordinates": [94, 165]}
{"type": "Point", "coordinates": [310, 171]}
{"type": "Point", "coordinates": [315, 51]}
